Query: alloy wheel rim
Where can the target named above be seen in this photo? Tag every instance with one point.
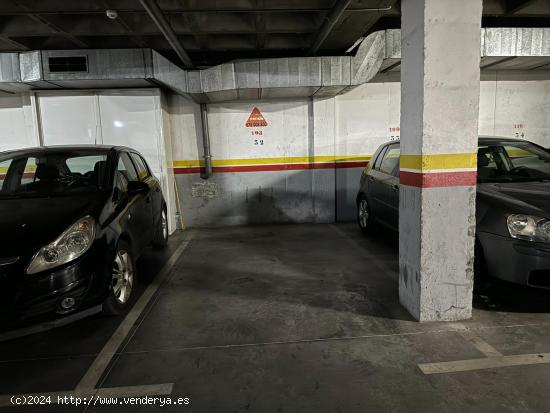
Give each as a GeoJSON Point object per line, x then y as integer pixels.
{"type": "Point", "coordinates": [363, 213]}
{"type": "Point", "coordinates": [123, 277]}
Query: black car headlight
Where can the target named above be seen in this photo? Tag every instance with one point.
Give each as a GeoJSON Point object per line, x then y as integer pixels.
{"type": "Point", "coordinates": [70, 245]}
{"type": "Point", "coordinates": [529, 227]}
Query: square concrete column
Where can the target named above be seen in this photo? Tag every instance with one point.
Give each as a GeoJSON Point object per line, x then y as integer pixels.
{"type": "Point", "coordinates": [440, 54]}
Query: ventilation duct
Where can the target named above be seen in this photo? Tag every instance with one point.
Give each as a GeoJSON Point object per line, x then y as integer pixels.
{"type": "Point", "coordinates": [378, 57]}
{"type": "Point", "coordinates": [84, 69]}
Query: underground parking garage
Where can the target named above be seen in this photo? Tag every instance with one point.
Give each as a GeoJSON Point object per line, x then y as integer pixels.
{"type": "Point", "coordinates": [261, 206]}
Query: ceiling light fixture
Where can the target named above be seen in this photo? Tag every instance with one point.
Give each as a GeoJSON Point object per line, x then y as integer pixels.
{"type": "Point", "coordinates": [111, 14]}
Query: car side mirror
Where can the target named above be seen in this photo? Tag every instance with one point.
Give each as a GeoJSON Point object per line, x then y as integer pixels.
{"type": "Point", "coordinates": [137, 187]}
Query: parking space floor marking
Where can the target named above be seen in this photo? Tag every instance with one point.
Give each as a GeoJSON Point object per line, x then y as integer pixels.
{"type": "Point", "coordinates": [136, 391]}
{"type": "Point", "coordinates": [87, 385]}
{"type": "Point", "coordinates": [493, 358]}
{"type": "Point", "coordinates": [485, 363]}
{"type": "Point", "coordinates": [481, 345]}
{"type": "Point", "coordinates": [100, 364]}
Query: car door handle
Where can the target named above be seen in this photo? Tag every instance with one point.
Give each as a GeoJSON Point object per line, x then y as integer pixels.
{"type": "Point", "coordinates": [395, 187]}
{"type": "Point", "coordinates": [371, 178]}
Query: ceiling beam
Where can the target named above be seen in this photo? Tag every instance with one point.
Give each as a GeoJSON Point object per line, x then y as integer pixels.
{"type": "Point", "coordinates": [52, 26]}
{"type": "Point", "coordinates": [14, 43]}
{"type": "Point", "coordinates": [191, 31]}
{"type": "Point", "coordinates": [332, 17]}
{"type": "Point", "coordinates": [136, 38]}
{"type": "Point", "coordinates": [514, 6]}
{"type": "Point", "coordinates": [58, 30]}
{"type": "Point", "coordinates": [195, 30]}
{"type": "Point", "coordinates": [158, 17]}
{"type": "Point", "coordinates": [260, 26]}
{"type": "Point", "coordinates": [198, 11]}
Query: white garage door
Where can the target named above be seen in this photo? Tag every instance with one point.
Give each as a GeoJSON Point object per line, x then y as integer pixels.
{"type": "Point", "coordinates": [17, 128]}
{"type": "Point", "coordinates": [69, 119]}
{"type": "Point", "coordinates": [126, 118]}
{"type": "Point", "coordinates": [130, 119]}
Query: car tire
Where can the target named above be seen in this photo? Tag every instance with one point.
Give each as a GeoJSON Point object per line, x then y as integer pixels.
{"type": "Point", "coordinates": [482, 281]}
{"type": "Point", "coordinates": [364, 215]}
{"type": "Point", "coordinates": [121, 280]}
{"type": "Point", "coordinates": [160, 238]}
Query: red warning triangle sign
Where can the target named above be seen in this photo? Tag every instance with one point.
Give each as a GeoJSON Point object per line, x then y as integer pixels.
{"type": "Point", "coordinates": [256, 119]}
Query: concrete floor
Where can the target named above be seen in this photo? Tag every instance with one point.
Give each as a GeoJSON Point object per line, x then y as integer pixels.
{"type": "Point", "coordinates": [297, 318]}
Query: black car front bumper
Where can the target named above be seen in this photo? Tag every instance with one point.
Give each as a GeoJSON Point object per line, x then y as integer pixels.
{"type": "Point", "coordinates": [517, 261]}
{"type": "Point", "coordinates": [27, 297]}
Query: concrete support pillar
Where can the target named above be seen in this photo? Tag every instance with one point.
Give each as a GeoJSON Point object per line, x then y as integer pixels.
{"type": "Point", "coordinates": [439, 130]}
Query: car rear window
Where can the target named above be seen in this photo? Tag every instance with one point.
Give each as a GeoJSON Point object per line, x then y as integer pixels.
{"type": "Point", "coordinates": [141, 166]}
{"type": "Point", "coordinates": [127, 168]}
{"type": "Point", "coordinates": [4, 165]}
{"type": "Point", "coordinates": [29, 173]}
{"type": "Point", "coordinates": [390, 159]}
{"type": "Point", "coordinates": [83, 164]}
{"type": "Point", "coordinates": [379, 158]}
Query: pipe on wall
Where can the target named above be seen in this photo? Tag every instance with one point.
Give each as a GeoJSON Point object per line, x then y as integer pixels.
{"type": "Point", "coordinates": [207, 172]}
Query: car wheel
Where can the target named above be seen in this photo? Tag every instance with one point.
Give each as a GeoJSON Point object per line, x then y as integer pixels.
{"type": "Point", "coordinates": [364, 216]}
{"type": "Point", "coordinates": [122, 280]}
{"type": "Point", "coordinates": [160, 238]}
{"type": "Point", "coordinates": [482, 281]}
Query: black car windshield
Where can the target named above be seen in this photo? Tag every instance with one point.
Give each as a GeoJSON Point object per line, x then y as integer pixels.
{"type": "Point", "coordinates": [512, 162]}
{"type": "Point", "coordinates": [50, 173]}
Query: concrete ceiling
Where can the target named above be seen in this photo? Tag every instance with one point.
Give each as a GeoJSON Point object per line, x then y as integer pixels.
{"type": "Point", "coordinates": [214, 31]}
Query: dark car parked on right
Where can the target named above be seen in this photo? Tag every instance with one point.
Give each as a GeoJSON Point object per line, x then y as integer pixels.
{"type": "Point", "coordinates": [512, 207]}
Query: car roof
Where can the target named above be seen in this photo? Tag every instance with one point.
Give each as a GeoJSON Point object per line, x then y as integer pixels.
{"type": "Point", "coordinates": [67, 148]}
{"type": "Point", "coordinates": [484, 140]}
{"type": "Point", "coordinates": [495, 139]}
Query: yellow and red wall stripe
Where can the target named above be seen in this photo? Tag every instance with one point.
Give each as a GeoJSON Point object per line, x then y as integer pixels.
{"type": "Point", "coordinates": [292, 163]}
{"type": "Point", "coordinates": [423, 171]}
{"type": "Point", "coordinates": [438, 170]}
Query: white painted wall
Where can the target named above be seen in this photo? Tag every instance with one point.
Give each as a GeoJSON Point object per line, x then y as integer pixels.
{"type": "Point", "coordinates": [355, 123]}
{"type": "Point", "coordinates": [366, 114]}
{"type": "Point", "coordinates": [185, 127]}
{"type": "Point", "coordinates": [253, 197]}
{"type": "Point", "coordinates": [517, 109]}
{"type": "Point", "coordinates": [352, 124]}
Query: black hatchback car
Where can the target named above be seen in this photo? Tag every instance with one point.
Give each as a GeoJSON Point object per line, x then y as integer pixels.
{"type": "Point", "coordinates": [512, 207]}
{"type": "Point", "coordinates": [73, 222]}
